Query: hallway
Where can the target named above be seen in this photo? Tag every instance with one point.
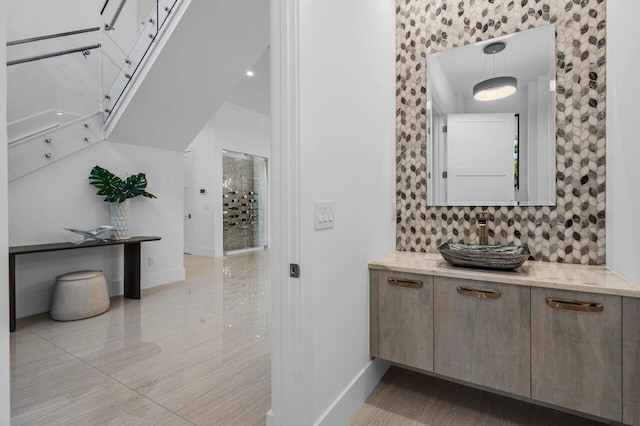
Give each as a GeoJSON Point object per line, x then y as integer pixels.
{"type": "Point", "coordinates": [191, 352]}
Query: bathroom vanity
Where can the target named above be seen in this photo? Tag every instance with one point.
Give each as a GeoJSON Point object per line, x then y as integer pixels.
{"type": "Point", "coordinates": [566, 336]}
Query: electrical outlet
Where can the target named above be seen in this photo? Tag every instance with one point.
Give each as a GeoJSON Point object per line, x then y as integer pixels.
{"type": "Point", "coordinates": [152, 261]}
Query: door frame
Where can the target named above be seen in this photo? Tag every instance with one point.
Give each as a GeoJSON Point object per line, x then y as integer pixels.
{"type": "Point", "coordinates": [291, 373]}
{"type": "Point", "coordinates": [5, 376]}
{"type": "Point", "coordinates": [187, 237]}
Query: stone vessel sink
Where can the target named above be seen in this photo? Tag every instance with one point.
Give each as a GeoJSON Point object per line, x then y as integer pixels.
{"type": "Point", "coordinates": [484, 256]}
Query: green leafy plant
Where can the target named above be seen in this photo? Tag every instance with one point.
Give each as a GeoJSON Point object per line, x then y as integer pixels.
{"type": "Point", "coordinates": [117, 190]}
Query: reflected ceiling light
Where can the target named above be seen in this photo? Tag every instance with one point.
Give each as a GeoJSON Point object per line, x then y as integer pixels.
{"type": "Point", "coordinates": [249, 73]}
{"type": "Point", "coordinates": [494, 40]}
{"type": "Point", "coordinates": [59, 113]}
{"type": "Point", "coordinates": [497, 87]}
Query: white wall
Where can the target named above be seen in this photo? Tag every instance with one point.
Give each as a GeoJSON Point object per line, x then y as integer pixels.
{"type": "Point", "coordinates": [233, 128]}
{"type": "Point", "coordinates": [532, 137]}
{"type": "Point", "coordinates": [623, 149]}
{"type": "Point", "coordinates": [30, 18]}
{"type": "Point", "coordinates": [4, 239]}
{"type": "Point", "coordinates": [441, 90]}
{"type": "Point", "coordinates": [347, 153]}
{"type": "Point", "coordinates": [59, 196]}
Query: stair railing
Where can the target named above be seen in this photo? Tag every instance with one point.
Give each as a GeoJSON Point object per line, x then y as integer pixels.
{"type": "Point", "coordinates": [124, 49]}
{"type": "Point", "coordinates": [82, 49]}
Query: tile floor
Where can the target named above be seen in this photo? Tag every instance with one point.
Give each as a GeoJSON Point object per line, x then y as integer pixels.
{"type": "Point", "coordinates": [407, 398]}
{"type": "Point", "coordinates": [191, 352]}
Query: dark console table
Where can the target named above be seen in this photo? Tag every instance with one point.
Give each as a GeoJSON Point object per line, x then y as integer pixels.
{"type": "Point", "coordinates": [131, 264]}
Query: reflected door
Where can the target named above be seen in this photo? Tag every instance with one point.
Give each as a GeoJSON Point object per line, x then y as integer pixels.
{"type": "Point", "coordinates": [480, 159]}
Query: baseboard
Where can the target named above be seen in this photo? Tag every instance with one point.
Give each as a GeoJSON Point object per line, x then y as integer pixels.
{"type": "Point", "coordinates": [33, 305]}
{"type": "Point", "coordinates": [116, 287]}
{"type": "Point", "coordinates": [244, 250]}
{"type": "Point", "coordinates": [41, 303]}
{"type": "Point", "coordinates": [351, 399]}
{"type": "Point", "coordinates": [203, 251]}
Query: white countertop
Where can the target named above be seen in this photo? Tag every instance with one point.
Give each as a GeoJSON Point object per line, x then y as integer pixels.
{"type": "Point", "coordinates": [562, 276]}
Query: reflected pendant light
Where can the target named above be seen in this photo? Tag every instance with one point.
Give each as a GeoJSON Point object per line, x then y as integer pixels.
{"type": "Point", "coordinates": [497, 87]}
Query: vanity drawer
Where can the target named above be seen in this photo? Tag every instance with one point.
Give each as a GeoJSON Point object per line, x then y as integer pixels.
{"type": "Point", "coordinates": [482, 333]}
{"type": "Point", "coordinates": [576, 344]}
{"type": "Point", "coordinates": [405, 319]}
{"type": "Point", "coordinates": [631, 360]}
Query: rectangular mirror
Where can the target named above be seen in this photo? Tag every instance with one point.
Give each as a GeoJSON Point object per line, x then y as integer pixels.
{"type": "Point", "coordinates": [491, 122]}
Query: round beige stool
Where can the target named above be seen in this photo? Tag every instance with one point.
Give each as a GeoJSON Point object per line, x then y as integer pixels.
{"type": "Point", "coordinates": [79, 295]}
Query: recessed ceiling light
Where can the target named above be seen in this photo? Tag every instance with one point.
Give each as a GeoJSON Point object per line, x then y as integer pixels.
{"type": "Point", "coordinates": [249, 73]}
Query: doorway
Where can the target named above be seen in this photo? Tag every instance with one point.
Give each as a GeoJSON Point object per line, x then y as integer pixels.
{"type": "Point", "coordinates": [189, 171]}
{"type": "Point", "coordinates": [244, 186]}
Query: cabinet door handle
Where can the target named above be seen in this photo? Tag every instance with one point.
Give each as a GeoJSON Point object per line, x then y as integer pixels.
{"type": "Point", "coordinates": [574, 305]}
{"type": "Point", "coordinates": [481, 293]}
{"type": "Point", "coordinates": [404, 283]}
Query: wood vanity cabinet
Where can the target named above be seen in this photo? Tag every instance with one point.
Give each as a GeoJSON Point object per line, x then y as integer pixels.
{"type": "Point", "coordinates": [405, 318]}
{"type": "Point", "coordinates": [482, 333]}
{"type": "Point", "coordinates": [576, 351]}
{"type": "Point", "coordinates": [631, 360]}
{"type": "Point", "coordinates": [566, 336]}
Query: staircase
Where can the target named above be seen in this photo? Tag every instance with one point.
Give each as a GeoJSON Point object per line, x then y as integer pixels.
{"type": "Point", "coordinates": [149, 72]}
{"type": "Point", "coordinates": [124, 49]}
{"type": "Point", "coordinates": [182, 84]}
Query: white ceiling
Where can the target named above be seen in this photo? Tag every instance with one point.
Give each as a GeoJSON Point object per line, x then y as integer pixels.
{"type": "Point", "coordinates": [254, 92]}
{"type": "Point", "coordinates": [528, 54]}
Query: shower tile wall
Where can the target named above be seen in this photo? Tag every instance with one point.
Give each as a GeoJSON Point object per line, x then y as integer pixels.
{"type": "Point", "coordinates": [239, 181]}
{"type": "Point", "coordinates": [573, 231]}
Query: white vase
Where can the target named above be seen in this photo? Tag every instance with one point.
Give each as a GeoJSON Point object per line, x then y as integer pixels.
{"type": "Point", "coordinates": [120, 220]}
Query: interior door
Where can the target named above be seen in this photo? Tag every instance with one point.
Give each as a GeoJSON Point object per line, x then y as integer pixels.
{"type": "Point", "coordinates": [189, 173]}
{"type": "Point", "coordinates": [480, 159]}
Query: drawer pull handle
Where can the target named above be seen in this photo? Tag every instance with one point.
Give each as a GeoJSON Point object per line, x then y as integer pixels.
{"type": "Point", "coordinates": [574, 305]}
{"type": "Point", "coordinates": [404, 283]}
{"type": "Point", "coordinates": [480, 293]}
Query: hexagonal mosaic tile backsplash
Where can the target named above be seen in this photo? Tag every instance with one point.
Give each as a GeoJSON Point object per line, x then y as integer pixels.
{"type": "Point", "coordinates": [573, 231]}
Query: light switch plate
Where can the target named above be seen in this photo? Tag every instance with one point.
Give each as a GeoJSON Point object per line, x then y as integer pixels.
{"type": "Point", "coordinates": [324, 214]}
